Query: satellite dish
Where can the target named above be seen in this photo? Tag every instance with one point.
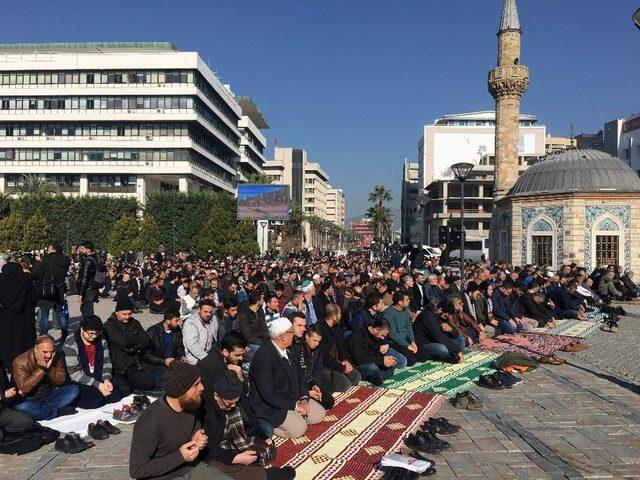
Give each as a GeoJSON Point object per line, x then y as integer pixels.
{"type": "Point", "coordinates": [636, 18]}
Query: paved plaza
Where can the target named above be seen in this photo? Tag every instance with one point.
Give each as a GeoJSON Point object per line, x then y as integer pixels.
{"type": "Point", "coordinates": [579, 420]}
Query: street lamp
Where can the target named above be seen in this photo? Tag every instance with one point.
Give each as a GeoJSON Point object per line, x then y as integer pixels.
{"type": "Point", "coordinates": [461, 171]}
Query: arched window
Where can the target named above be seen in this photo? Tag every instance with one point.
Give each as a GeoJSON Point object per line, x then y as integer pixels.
{"type": "Point", "coordinates": [607, 241]}
{"type": "Point", "coordinates": [542, 243]}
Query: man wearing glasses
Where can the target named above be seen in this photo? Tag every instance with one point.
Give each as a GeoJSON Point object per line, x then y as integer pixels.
{"type": "Point", "coordinates": [89, 365]}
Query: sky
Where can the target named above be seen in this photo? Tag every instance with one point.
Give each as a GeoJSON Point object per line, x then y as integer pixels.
{"type": "Point", "coordinates": [352, 82]}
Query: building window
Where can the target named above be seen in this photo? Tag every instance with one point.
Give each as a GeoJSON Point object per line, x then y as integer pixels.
{"type": "Point", "coordinates": [607, 249]}
{"type": "Point", "coordinates": [542, 250]}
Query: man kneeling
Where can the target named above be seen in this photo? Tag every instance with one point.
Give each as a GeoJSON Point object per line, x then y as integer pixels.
{"type": "Point", "coordinates": [234, 446]}
{"type": "Point", "coordinates": [39, 375]}
{"type": "Point", "coordinates": [89, 364]}
{"type": "Point", "coordinates": [280, 394]}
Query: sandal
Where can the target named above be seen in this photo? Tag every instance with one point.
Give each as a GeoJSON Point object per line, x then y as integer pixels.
{"type": "Point", "coordinates": [461, 401]}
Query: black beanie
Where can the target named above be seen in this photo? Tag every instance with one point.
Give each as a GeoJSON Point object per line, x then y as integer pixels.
{"type": "Point", "coordinates": [228, 386]}
{"type": "Point", "coordinates": [179, 377]}
{"type": "Point", "coordinates": [124, 304]}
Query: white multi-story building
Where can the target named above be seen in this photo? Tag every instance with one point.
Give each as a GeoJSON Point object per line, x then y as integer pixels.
{"type": "Point", "coordinates": [622, 139]}
{"type": "Point", "coordinates": [465, 137]}
{"type": "Point", "coordinates": [409, 200]}
{"type": "Point", "coordinates": [335, 206]}
{"type": "Point", "coordinates": [122, 118]}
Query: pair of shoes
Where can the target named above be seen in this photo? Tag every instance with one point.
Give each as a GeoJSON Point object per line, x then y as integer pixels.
{"type": "Point", "coordinates": [552, 359]}
{"type": "Point", "coordinates": [575, 347]}
{"type": "Point", "coordinates": [142, 400]}
{"type": "Point", "coordinates": [148, 393]}
{"type": "Point", "coordinates": [429, 471]}
{"type": "Point", "coordinates": [507, 378]}
{"type": "Point", "coordinates": [491, 381]}
{"type": "Point", "coordinates": [72, 443]}
{"type": "Point", "coordinates": [399, 473]}
{"type": "Point", "coordinates": [609, 327]}
{"type": "Point", "coordinates": [467, 401]}
{"type": "Point", "coordinates": [441, 426]}
{"type": "Point", "coordinates": [425, 442]}
{"type": "Point", "coordinates": [127, 414]}
{"type": "Point", "coordinates": [101, 430]}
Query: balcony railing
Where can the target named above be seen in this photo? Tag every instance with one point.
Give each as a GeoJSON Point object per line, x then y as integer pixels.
{"type": "Point", "coordinates": [114, 189]}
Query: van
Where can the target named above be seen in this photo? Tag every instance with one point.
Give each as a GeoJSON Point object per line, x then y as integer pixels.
{"type": "Point", "coordinates": [474, 248]}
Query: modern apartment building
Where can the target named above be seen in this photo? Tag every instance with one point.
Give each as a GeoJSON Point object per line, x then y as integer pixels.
{"type": "Point", "coordinates": [122, 119]}
{"type": "Point", "coordinates": [622, 139]}
{"type": "Point", "coordinates": [409, 199]}
{"type": "Point", "coordinates": [557, 144]}
{"type": "Point", "coordinates": [464, 137]}
{"type": "Point", "coordinates": [335, 206]}
{"type": "Point", "coordinates": [287, 168]}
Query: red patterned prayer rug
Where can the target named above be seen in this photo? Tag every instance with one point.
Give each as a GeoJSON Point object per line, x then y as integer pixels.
{"type": "Point", "coordinates": [535, 345]}
{"type": "Point", "coordinates": [364, 425]}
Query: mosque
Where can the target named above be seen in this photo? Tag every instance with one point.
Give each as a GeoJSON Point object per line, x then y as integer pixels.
{"type": "Point", "coordinates": [576, 206]}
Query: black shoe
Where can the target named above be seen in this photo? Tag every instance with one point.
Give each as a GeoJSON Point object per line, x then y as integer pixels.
{"type": "Point", "coordinates": [97, 432]}
{"type": "Point", "coordinates": [67, 410]}
{"type": "Point", "coordinates": [111, 430]}
{"type": "Point", "coordinates": [69, 445]}
{"type": "Point", "coordinates": [149, 393]}
{"type": "Point", "coordinates": [490, 381]}
{"type": "Point", "coordinates": [281, 473]}
{"type": "Point", "coordinates": [418, 442]}
{"type": "Point", "coordinates": [429, 471]}
{"type": "Point", "coordinates": [142, 400]}
{"type": "Point", "coordinates": [433, 438]}
{"type": "Point", "coordinates": [507, 378]}
{"type": "Point", "coordinates": [440, 426]}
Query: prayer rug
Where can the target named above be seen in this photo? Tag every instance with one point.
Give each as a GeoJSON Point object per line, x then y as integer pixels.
{"type": "Point", "coordinates": [364, 425]}
{"type": "Point", "coordinates": [535, 345]}
{"type": "Point", "coordinates": [573, 328]}
{"type": "Point", "coordinates": [443, 378]}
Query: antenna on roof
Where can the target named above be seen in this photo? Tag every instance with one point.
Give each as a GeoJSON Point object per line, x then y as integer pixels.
{"type": "Point", "coordinates": [571, 135]}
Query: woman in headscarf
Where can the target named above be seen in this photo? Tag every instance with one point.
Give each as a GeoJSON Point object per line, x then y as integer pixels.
{"type": "Point", "coordinates": [17, 312]}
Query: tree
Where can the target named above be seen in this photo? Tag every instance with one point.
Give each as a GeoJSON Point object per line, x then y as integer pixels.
{"type": "Point", "coordinates": [11, 233]}
{"type": "Point", "coordinates": [259, 178]}
{"type": "Point", "coordinates": [216, 232]}
{"type": "Point", "coordinates": [123, 235]}
{"type": "Point", "coordinates": [37, 232]}
{"type": "Point", "coordinates": [33, 184]}
{"type": "Point", "coordinates": [380, 195]}
{"type": "Point", "coordinates": [243, 239]}
{"type": "Point", "coordinates": [148, 239]}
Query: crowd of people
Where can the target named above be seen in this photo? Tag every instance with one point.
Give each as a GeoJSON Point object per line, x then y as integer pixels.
{"type": "Point", "coordinates": [246, 349]}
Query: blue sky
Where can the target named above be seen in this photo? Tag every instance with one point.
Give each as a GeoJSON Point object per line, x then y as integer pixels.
{"type": "Point", "coordinates": [353, 81]}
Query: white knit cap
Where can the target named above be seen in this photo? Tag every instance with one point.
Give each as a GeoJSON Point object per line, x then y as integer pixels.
{"type": "Point", "coordinates": [306, 285]}
{"type": "Point", "coordinates": [279, 326]}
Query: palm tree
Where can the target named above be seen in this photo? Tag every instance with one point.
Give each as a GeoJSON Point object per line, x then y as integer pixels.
{"type": "Point", "coordinates": [34, 185]}
{"type": "Point", "coordinates": [380, 195]}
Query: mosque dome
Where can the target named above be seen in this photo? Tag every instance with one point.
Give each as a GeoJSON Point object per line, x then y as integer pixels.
{"type": "Point", "coordinates": [576, 171]}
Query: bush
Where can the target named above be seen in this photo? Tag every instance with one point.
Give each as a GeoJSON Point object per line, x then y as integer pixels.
{"type": "Point", "coordinates": [148, 239]}
{"type": "Point", "coordinates": [11, 233]}
{"type": "Point", "coordinates": [123, 235]}
{"type": "Point", "coordinates": [37, 232]}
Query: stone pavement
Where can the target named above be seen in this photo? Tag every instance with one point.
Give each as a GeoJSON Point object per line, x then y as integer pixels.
{"type": "Point", "coordinates": [579, 420]}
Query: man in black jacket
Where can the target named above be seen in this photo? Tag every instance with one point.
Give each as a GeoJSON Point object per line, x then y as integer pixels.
{"type": "Point", "coordinates": [233, 439]}
{"type": "Point", "coordinates": [279, 396]}
{"type": "Point", "coordinates": [228, 357]}
{"type": "Point", "coordinates": [166, 345]}
{"type": "Point", "coordinates": [434, 342]}
{"type": "Point", "coordinates": [369, 352]}
{"type": "Point", "coordinates": [128, 342]}
{"type": "Point", "coordinates": [53, 270]}
{"type": "Point", "coordinates": [338, 374]}
{"type": "Point", "coordinates": [87, 289]}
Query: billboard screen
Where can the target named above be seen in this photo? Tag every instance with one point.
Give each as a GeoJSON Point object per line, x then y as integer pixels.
{"type": "Point", "coordinates": [263, 202]}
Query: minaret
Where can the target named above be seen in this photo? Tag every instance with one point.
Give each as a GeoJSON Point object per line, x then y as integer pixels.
{"type": "Point", "coordinates": [507, 83]}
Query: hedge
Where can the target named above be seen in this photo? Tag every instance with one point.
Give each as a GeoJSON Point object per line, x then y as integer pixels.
{"type": "Point", "coordinates": [178, 220]}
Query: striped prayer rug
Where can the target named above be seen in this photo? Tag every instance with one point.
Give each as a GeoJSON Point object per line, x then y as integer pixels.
{"type": "Point", "coordinates": [535, 345]}
{"type": "Point", "coordinates": [444, 378]}
{"type": "Point", "coordinates": [573, 328]}
{"type": "Point", "coordinates": [365, 424]}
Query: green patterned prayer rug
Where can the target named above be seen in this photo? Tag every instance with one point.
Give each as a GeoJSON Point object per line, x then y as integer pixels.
{"type": "Point", "coordinates": [443, 378]}
{"type": "Point", "coordinates": [573, 328]}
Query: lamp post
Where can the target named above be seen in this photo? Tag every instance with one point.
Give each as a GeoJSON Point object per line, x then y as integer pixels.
{"type": "Point", "coordinates": [461, 171]}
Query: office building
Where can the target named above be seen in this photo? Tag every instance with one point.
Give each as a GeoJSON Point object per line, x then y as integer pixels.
{"type": "Point", "coordinates": [335, 206]}
{"type": "Point", "coordinates": [409, 199]}
{"type": "Point", "coordinates": [122, 119]}
{"type": "Point", "coordinates": [593, 141]}
{"type": "Point", "coordinates": [557, 144]}
{"type": "Point", "coordinates": [622, 139]}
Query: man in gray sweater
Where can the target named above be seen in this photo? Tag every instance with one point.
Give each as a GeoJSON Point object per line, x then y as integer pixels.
{"type": "Point", "coordinates": [167, 438]}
